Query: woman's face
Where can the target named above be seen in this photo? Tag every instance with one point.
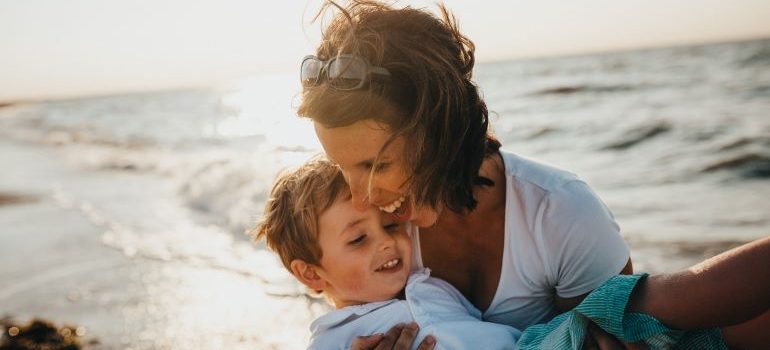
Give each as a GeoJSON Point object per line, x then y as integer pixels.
{"type": "Point", "coordinates": [354, 148]}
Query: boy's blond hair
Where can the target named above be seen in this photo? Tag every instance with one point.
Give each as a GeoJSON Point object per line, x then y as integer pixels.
{"type": "Point", "coordinates": [298, 198]}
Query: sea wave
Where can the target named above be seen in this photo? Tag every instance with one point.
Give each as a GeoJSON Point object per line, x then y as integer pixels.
{"type": "Point", "coordinates": [748, 165]}
{"type": "Point", "coordinates": [581, 89]}
{"type": "Point", "coordinates": [760, 56]}
{"type": "Point", "coordinates": [743, 142]}
{"type": "Point", "coordinates": [637, 135]}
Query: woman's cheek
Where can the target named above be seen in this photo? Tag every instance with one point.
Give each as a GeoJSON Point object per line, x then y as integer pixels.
{"type": "Point", "coordinates": [425, 217]}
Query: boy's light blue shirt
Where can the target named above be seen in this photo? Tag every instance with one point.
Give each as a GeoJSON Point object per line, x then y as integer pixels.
{"type": "Point", "coordinates": [439, 309]}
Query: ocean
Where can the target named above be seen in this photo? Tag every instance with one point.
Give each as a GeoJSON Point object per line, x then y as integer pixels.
{"type": "Point", "coordinates": [126, 214]}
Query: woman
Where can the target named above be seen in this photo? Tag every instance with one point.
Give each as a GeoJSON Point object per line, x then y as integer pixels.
{"type": "Point", "coordinates": [393, 104]}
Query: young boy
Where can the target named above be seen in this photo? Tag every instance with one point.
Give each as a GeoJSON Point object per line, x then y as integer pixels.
{"type": "Point", "coordinates": [362, 263]}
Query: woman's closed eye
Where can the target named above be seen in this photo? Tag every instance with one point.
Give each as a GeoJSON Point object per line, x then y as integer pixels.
{"type": "Point", "coordinates": [381, 167]}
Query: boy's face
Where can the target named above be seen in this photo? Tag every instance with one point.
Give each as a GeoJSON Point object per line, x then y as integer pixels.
{"type": "Point", "coordinates": [367, 256]}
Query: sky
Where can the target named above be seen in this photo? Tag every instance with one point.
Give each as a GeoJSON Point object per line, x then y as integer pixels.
{"type": "Point", "coordinates": [55, 49]}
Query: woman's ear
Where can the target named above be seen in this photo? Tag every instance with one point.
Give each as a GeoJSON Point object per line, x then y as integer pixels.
{"type": "Point", "coordinates": [306, 273]}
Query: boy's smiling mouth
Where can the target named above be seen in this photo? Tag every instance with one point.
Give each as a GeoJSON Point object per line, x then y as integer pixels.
{"type": "Point", "coordinates": [389, 265]}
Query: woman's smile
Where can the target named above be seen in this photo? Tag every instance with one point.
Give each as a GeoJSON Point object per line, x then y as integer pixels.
{"type": "Point", "coordinates": [390, 208]}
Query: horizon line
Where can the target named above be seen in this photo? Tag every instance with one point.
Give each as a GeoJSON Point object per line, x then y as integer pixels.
{"type": "Point", "coordinates": [272, 70]}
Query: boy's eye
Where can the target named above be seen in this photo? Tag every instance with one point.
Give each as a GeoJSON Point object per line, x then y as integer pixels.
{"type": "Point", "coordinates": [357, 240]}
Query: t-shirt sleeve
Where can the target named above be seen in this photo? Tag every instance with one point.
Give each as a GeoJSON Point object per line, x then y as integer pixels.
{"type": "Point", "coordinates": [581, 241]}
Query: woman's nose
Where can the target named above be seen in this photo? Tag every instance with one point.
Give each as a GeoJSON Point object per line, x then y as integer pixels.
{"type": "Point", "coordinates": [359, 191]}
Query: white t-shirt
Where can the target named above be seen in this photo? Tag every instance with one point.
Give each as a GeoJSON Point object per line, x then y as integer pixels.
{"type": "Point", "coordinates": [560, 239]}
{"type": "Point", "coordinates": [440, 310]}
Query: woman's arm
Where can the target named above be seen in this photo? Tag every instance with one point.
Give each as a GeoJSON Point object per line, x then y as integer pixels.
{"type": "Point", "coordinates": [566, 304]}
{"type": "Point", "coordinates": [728, 289]}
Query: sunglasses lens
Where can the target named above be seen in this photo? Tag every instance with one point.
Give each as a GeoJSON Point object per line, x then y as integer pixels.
{"type": "Point", "coordinates": [310, 71]}
{"type": "Point", "coordinates": [347, 73]}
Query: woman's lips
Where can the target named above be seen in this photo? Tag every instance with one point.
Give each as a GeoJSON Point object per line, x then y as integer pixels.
{"type": "Point", "coordinates": [404, 212]}
{"type": "Point", "coordinates": [400, 209]}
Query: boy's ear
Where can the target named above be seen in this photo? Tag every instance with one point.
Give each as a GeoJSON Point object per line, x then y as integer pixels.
{"type": "Point", "coordinates": [307, 274]}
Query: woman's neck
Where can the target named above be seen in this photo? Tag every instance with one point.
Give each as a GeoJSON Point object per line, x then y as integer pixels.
{"type": "Point", "coordinates": [466, 249]}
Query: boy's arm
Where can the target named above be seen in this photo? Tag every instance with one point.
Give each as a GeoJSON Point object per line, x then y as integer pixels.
{"type": "Point", "coordinates": [728, 289]}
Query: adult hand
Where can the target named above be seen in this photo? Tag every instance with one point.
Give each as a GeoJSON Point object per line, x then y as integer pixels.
{"type": "Point", "coordinates": [400, 337]}
{"type": "Point", "coordinates": [598, 339]}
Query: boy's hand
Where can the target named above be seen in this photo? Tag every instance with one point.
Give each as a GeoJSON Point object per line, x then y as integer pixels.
{"type": "Point", "coordinates": [400, 337]}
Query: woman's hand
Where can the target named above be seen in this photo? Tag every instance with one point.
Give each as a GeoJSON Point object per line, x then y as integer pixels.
{"type": "Point", "coordinates": [400, 337]}
{"type": "Point", "coordinates": [598, 339]}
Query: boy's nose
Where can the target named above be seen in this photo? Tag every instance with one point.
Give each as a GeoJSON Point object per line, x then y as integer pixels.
{"type": "Point", "coordinates": [387, 242]}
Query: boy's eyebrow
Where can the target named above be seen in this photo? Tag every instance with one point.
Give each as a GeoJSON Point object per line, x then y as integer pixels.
{"type": "Point", "coordinates": [351, 224]}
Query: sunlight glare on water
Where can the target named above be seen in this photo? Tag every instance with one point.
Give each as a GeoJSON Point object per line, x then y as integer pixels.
{"type": "Point", "coordinates": [266, 105]}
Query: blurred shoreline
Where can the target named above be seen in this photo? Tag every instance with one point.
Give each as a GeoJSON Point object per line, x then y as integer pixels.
{"type": "Point", "coordinates": [58, 263]}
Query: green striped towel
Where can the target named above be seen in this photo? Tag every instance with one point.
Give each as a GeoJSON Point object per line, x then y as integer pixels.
{"type": "Point", "coordinates": [606, 306]}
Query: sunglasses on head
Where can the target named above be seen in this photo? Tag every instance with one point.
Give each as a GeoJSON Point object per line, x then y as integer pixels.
{"type": "Point", "coordinates": [343, 72]}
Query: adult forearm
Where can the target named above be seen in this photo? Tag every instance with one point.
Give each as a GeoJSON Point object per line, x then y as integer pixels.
{"type": "Point", "coordinates": [727, 289]}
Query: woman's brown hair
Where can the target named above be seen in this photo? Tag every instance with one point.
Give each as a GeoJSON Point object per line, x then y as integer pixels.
{"type": "Point", "coordinates": [429, 99]}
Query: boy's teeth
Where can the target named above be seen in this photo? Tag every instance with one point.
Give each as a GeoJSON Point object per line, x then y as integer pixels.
{"type": "Point", "coordinates": [388, 264]}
